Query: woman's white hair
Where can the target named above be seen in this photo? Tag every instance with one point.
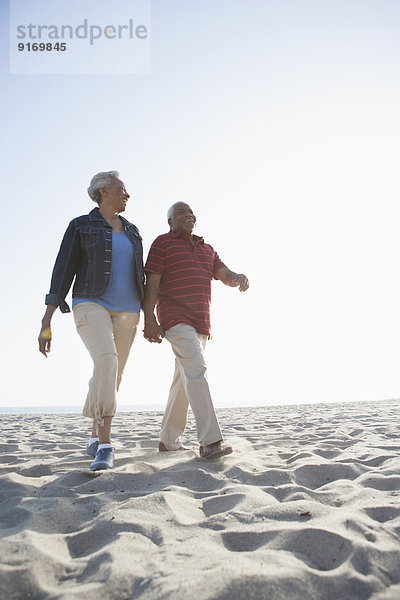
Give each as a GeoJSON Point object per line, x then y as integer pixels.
{"type": "Point", "coordinates": [101, 180]}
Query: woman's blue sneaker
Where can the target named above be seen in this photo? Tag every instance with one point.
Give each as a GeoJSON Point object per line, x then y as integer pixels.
{"type": "Point", "coordinates": [104, 459]}
{"type": "Point", "coordinates": [91, 449]}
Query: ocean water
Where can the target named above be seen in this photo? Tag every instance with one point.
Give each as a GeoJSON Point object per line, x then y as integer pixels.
{"type": "Point", "coordinates": [57, 410]}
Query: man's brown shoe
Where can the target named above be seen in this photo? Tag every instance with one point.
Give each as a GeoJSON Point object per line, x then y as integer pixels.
{"type": "Point", "coordinates": [163, 448]}
{"type": "Point", "coordinates": [215, 451]}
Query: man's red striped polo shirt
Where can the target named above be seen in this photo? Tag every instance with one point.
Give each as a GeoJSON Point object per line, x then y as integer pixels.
{"type": "Point", "coordinates": [186, 271]}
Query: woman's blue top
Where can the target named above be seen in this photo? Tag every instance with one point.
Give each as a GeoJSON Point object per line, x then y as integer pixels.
{"type": "Point", "coordinates": [121, 294]}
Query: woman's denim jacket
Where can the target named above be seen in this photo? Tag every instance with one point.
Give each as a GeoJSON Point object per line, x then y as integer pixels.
{"type": "Point", "coordinates": [85, 253]}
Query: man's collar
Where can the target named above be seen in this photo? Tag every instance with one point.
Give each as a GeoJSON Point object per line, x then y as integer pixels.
{"type": "Point", "coordinates": [176, 234]}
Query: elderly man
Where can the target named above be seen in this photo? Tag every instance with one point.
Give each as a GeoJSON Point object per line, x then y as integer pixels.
{"type": "Point", "coordinates": [179, 270]}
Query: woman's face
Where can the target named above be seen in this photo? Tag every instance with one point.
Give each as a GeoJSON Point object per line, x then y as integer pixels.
{"type": "Point", "coordinates": [115, 196]}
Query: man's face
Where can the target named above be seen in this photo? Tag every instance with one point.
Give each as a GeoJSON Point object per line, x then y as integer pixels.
{"type": "Point", "coordinates": [183, 219]}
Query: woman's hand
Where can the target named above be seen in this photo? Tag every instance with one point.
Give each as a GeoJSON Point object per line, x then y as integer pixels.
{"type": "Point", "coordinates": [45, 339]}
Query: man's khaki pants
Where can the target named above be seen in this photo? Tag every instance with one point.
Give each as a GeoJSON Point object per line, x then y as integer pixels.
{"type": "Point", "coordinates": [108, 336]}
{"type": "Point", "coordinates": [189, 386]}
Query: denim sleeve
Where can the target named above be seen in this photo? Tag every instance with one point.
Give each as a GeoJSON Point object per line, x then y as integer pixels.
{"type": "Point", "coordinates": [65, 269]}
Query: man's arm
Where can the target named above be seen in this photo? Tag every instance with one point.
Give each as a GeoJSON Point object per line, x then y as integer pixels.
{"type": "Point", "coordinates": [153, 332]}
{"type": "Point", "coordinates": [232, 279]}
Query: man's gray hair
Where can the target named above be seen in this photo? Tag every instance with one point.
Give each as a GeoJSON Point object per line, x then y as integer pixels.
{"type": "Point", "coordinates": [171, 209]}
{"type": "Point", "coordinates": [101, 180]}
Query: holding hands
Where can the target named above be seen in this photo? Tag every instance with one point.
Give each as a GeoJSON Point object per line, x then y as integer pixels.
{"type": "Point", "coordinates": [153, 332]}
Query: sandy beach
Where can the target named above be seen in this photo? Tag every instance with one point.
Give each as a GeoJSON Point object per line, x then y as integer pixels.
{"type": "Point", "coordinates": [307, 507]}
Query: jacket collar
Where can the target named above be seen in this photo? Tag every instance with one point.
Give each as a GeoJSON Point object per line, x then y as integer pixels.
{"type": "Point", "coordinates": [95, 215]}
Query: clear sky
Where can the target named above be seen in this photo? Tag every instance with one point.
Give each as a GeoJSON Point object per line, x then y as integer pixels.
{"type": "Point", "coordinates": [278, 122]}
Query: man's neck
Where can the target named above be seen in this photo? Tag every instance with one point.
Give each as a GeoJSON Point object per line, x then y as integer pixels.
{"type": "Point", "coordinates": [184, 234]}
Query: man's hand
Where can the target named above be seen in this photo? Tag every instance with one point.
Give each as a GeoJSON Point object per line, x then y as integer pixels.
{"type": "Point", "coordinates": [153, 332]}
{"type": "Point", "coordinates": [44, 339]}
{"type": "Point", "coordinates": [242, 282]}
{"type": "Point", "coordinates": [233, 279]}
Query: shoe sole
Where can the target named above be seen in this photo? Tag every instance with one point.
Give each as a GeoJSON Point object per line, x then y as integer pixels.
{"type": "Point", "coordinates": [180, 449]}
{"type": "Point", "coordinates": [100, 467]}
{"type": "Point", "coordinates": [219, 454]}
{"type": "Point", "coordinates": [175, 450]}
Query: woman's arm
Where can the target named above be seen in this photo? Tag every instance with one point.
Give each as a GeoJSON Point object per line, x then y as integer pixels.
{"type": "Point", "coordinates": [65, 268]}
{"type": "Point", "coordinates": [153, 332]}
{"type": "Point", "coordinates": [45, 331]}
{"type": "Point", "coordinates": [64, 271]}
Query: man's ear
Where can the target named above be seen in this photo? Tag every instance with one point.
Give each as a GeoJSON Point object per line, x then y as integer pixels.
{"type": "Point", "coordinates": [170, 223]}
{"type": "Point", "coordinates": [101, 192]}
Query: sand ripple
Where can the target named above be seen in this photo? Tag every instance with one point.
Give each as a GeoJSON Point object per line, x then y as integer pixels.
{"type": "Point", "coordinates": [307, 507]}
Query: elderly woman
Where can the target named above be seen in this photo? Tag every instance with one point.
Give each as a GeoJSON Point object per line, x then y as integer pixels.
{"type": "Point", "coordinates": [103, 252]}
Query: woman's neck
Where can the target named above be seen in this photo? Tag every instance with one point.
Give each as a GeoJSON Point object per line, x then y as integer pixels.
{"type": "Point", "coordinates": [112, 219]}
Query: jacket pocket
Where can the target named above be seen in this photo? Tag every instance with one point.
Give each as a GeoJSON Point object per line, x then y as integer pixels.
{"type": "Point", "coordinates": [89, 237]}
